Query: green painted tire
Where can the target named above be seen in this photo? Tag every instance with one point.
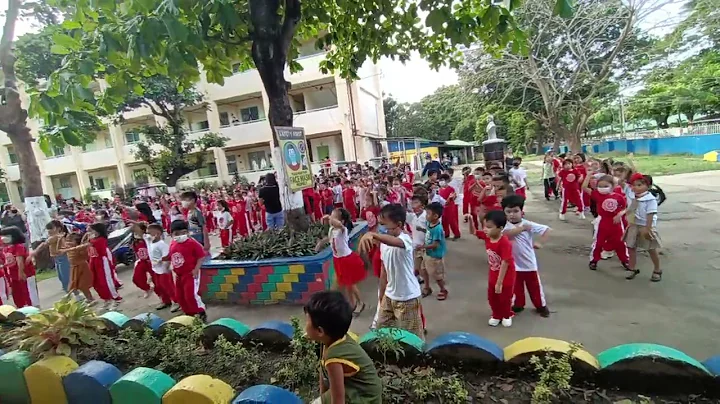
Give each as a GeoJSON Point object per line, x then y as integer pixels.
{"type": "Point", "coordinates": [13, 388]}
{"type": "Point", "coordinates": [651, 359]}
{"type": "Point", "coordinates": [114, 321]}
{"type": "Point", "coordinates": [411, 344]}
{"type": "Point", "coordinates": [231, 329]}
{"type": "Point", "coordinates": [141, 386]}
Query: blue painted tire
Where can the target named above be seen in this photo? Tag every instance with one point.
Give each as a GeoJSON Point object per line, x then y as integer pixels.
{"type": "Point", "coordinates": [266, 394]}
{"type": "Point", "coordinates": [713, 365]}
{"type": "Point", "coordinates": [90, 383]}
{"type": "Point", "coordinates": [464, 347]}
{"type": "Point", "coordinates": [272, 332]}
{"type": "Point", "coordinates": [139, 322]}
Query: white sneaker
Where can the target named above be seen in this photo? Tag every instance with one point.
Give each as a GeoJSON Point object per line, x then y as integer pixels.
{"type": "Point", "coordinates": [561, 216]}
{"type": "Point", "coordinates": [582, 215]}
{"type": "Point", "coordinates": [114, 305]}
{"type": "Point", "coordinates": [606, 255]}
{"type": "Point", "coordinates": [493, 322]}
{"type": "Point", "coordinates": [507, 322]}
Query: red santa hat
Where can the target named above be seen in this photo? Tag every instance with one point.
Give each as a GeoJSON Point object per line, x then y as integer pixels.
{"type": "Point", "coordinates": [637, 177]}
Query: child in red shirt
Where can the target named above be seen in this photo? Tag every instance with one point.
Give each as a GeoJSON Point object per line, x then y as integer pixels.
{"type": "Point", "coordinates": [327, 198]}
{"type": "Point", "coordinates": [569, 180]}
{"type": "Point", "coordinates": [348, 195]}
{"type": "Point", "coordinates": [317, 205]}
{"type": "Point", "coordinates": [609, 229]}
{"type": "Point", "coordinates": [450, 212]}
{"type": "Point", "coordinates": [186, 258]}
{"type": "Point", "coordinates": [501, 280]}
{"type": "Point", "coordinates": [21, 273]}
{"type": "Point", "coordinates": [143, 267]}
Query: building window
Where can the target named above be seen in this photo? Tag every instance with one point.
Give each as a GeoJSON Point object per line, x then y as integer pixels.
{"type": "Point", "coordinates": [249, 114]}
{"type": "Point", "coordinates": [224, 119]}
{"type": "Point", "coordinates": [209, 171]}
{"type": "Point", "coordinates": [65, 182]}
{"type": "Point", "coordinates": [100, 183]}
{"type": "Point", "coordinates": [140, 176]}
{"type": "Point", "coordinates": [132, 137]}
{"type": "Point", "coordinates": [4, 195]}
{"type": "Point", "coordinates": [20, 189]}
{"type": "Point", "coordinates": [58, 151]}
{"type": "Point", "coordinates": [11, 155]}
{"type": "Point", "coordinates": [259, 160]}
{"type": "Point", "coordinates": [232, 164]}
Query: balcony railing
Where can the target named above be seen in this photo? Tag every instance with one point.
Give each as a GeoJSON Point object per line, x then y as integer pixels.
{"type": "Point", "coordinates": [316, 109]}
{"type": "Point", "coordinates": [240, 123]}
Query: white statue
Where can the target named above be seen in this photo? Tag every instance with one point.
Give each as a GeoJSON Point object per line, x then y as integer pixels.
{"type": "Point", "coordinates": [38, 215]}
{"type": "Point", "coordinates": [490, 129]}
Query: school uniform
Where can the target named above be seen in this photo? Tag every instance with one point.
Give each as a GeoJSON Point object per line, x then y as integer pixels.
{"type": "Point", "coordinates": [183, 259]}
{"type": "Point", "coordinates": [142, 268]}
{"type": "Point", "coordinates": [526, 266]}
{"type": "Point", "coordinates": [608, 234]}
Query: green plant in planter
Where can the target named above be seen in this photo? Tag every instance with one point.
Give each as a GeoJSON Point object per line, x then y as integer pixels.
{"type": "Point", "coordinates": [57, 331]}
{"type": "Point", "coordinates": [276, 243]}
{"type": "Point", "coordinates": [422, 385]}
{"type": "Point", "coordinates": [299, 372]}
{"type": "Point", "coordinates": [555, 373]}
{"type": "Point", "coordinates": [386, 343]}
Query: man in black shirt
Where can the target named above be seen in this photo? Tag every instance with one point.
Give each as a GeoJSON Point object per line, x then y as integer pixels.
{"type": "Point", "coordinates": [269, 195]}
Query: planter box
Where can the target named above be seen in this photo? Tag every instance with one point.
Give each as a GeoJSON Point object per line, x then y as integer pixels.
{"type": "Point", "coordinates": [289, 280]}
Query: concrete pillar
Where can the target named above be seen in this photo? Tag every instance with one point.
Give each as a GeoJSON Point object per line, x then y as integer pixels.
{"type": "Point", "coordinates": [213, 116]}
{"type": "Point", "coordinates": [221, 164]}
{"type": "Point", "coordinates": [117, 135]}
{"type": "Point", "coordinates": [15, 197]}
{"type": "Point", "coordinates": [344, 106]}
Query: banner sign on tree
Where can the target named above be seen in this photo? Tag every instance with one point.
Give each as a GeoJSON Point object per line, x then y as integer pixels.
{"type": "Point", "coordinates": [294, 154]}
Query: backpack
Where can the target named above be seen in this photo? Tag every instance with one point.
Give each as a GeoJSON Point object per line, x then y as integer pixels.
{"type": "Point", "coordinates": [658, 193]}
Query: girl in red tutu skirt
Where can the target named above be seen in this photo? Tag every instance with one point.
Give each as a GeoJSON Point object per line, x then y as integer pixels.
{"type": "Point", "coordinates": [349, 267]}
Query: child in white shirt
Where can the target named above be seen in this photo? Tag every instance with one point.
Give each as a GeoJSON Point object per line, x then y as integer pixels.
{"type": "Point", "coordinates": [162, 278]}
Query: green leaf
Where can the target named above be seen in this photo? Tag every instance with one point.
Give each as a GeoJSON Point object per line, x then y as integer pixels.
{"type": "Point", "coordinates": [86, 66]}
{"type": "Point", "coordinates": [72, 139]}
{"type": "Point", "coordinates": [564, 8]}
{"type": "Point", "coordinates": [67, 41]}
{"type": "Point", "coordinates": [70, 24]}
{"type": "Point", "coordinates": [59, 50]}
{"type": "Point", "coordinates": [63, 349]}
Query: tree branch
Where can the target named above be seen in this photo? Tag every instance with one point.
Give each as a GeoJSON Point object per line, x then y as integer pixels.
{"type": "Point", "coordinates": [293, 14]}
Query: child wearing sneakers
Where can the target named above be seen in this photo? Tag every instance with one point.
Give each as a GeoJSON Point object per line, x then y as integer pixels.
{"type": "Point", "coordinates": [501, 280]}
{"type": "Point", "coordinates": [435, 250]}
{"type": "Point", "coordinates": [521, 232]}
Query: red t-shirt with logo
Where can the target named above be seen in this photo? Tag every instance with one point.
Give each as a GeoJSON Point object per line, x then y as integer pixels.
{"type": "Point", "coordinates": [608, 205]}
{"type": "Point", "coordinates": [497, 252]}
{"type": "Point", "coordinates": [569, 178]}
{"type": "Point", "coordinates": [141, 250]}
{"type": "Point", "coordinates": [327, 197]}
{"type": "Point", "coordinates": [12, 253]}
{"type": "Point", "coordinates": [370, 214]}
{"type": "Point", "coordinates": [185, 256]}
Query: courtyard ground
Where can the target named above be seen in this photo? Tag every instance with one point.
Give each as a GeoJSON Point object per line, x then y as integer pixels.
{"type": "Point", "coordinates": [598, 309]}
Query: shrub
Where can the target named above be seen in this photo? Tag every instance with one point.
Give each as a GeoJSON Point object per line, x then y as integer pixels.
{"type": "Point", "coordinates": [58, 331]}
{"type": "Point", "coordinates": [299, 372]}
{"type": "Point", "coordinates": [422, 385]}
{"type": "Point", "coordinates": [276, 243]}
{"type": "Point", "coordinates": [555, 373]}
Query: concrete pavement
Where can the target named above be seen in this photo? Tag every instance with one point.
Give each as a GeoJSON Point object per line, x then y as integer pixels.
{"type": "Point", "coordinates": [598, 309]}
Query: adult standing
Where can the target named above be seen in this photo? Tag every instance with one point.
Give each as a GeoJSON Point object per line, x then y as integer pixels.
{"type": "Point", "coordinates": [431, 166]}
{"type": "Point", "coordinates": [269, 195]}
{"type": "Point", "coordinates": [13, 218]}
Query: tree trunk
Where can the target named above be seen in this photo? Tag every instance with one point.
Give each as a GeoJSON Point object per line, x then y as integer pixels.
{"type": "Point", "coordinates": [270, 62]}
{"type": "Point", "coordinates": [13, 121]}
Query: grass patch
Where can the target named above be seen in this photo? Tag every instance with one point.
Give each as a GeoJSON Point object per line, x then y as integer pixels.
{"type": "Point", "coordinates": [47, 274]}
{"type": "Point", "coordinates": [668, 165]}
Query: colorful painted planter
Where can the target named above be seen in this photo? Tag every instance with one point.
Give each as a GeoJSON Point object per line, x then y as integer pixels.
{"type": "Point", "coordinates": [280, 280]}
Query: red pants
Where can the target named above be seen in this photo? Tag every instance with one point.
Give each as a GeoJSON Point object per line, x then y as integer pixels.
{"type": "Point", "coordinates": [521, 192]}
{"type": "Point", "coordinates": [529, 280]}
{"type": "Point", "coordinates": [240, 223]}
{"type": "Point", "coordinates": [210, 222]}
{"type": "Point", "coordinates": [142, 269]}
{"type": "Point", "coordinates": [164, 287]}
{"type": "Point", "coordinates": [609, 237]}
{"type": "Point", "coordinates": [188, 295]}
{"type": "Point", "coordinates": [103, 281]}
{"type": "Point", "coordinates": [501, 303]}
{"type": "Point", "coordinates": [571, 195]}
{"type": "Point", "coordinates": [225, 237]}
{"type": "Point", "coordinates": [450, 220]}
{"type": "Point", "coordinates": [24, 292]}
{"type": "Point", "coordinates": [585, 199]}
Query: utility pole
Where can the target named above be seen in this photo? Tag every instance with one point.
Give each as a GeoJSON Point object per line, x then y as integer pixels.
{"type": "Point", "coordinates": [622, 117]}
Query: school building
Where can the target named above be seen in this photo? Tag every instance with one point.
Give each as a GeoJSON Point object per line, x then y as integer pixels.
{"type": "Point", "coordinates": [343, 120]}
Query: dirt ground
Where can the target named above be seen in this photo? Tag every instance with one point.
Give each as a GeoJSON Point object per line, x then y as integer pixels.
{"type": "Point", "coordinates": [598, 309]}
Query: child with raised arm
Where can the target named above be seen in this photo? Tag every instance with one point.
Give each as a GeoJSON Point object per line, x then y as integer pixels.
{"type": "Point", "coordinates": [399, 304]}
{"type": "Point", "coordinates": [521, 232]}
{"type": "Point", "coordinates": [501, 280]}
{"type": "Point", "coordinates": [349, 370]}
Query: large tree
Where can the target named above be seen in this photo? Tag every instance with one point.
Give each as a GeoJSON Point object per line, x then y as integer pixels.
{"type": "Point", "coordinates": [121, 42]}
{"type": "Point", "coordinates": [167, 149]}
{"type": "Point", "coordinates": [571, 63]}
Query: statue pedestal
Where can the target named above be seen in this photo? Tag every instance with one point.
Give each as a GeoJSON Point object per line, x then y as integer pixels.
{"type": "Point", "coordinates": [494, 152]}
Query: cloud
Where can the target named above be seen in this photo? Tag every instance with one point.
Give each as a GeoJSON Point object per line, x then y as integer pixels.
{"type": "Point", "coordinates": [413, 80]}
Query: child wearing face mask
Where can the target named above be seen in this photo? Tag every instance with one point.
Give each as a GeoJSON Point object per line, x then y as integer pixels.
{"type": "Point", "coordinates": [161, 273]}
{"type": "Point", "coordinates": [225, 223]}
{"type": "Point", "coordinates": [570, 179]}
{"type": "Point", "coordinates": [186, 258]}
{"type": "Point", "coordinates": [143, 268]}
{"type": "Point", "coordinates": [197, 227]}
{"type": "Point", "coordinates": [348, 197]}
{"type": "Point", "coordinates": [450, 211]}
{"type": "Point", "coordinates": [521, 232]}
{"type": "Point", "coordinates": [101, 264]}
{"type": "Point", "coordinates": [609, 228]}
{"type": "Point", "coordinates": [21, 272]}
